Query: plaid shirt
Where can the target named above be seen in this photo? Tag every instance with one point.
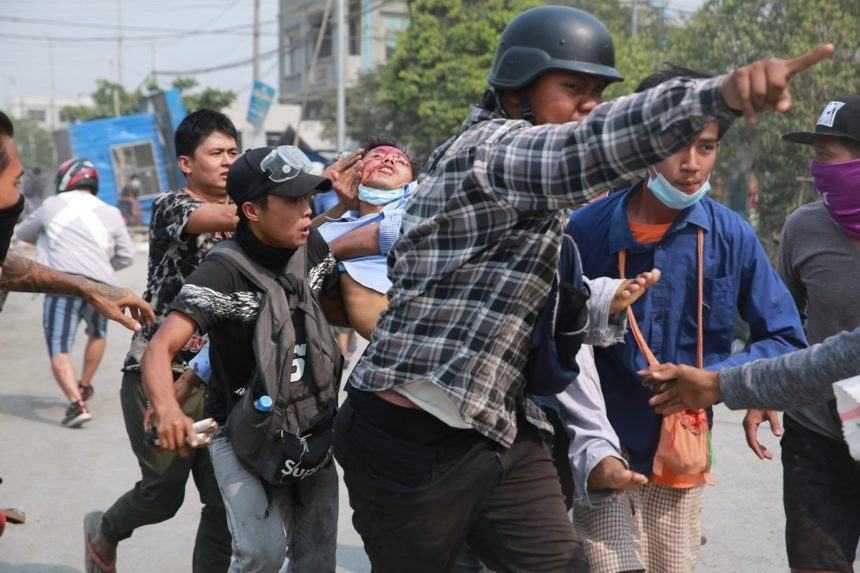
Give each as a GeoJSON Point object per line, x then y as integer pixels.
{"type": "Point", "coordinates": [481, 237]}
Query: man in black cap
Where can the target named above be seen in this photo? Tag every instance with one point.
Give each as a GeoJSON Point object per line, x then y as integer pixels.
{"type": "Point", "coordinates": [222, 297]}
{"type": "Point", "coordinates": [820, 261]}
{"type": "Point", "coordinates": [472, 268]}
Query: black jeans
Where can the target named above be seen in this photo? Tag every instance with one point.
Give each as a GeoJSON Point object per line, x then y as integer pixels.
{"type": "Point", "coordinates": [821, 496]}
{"type": "Point", "coordinates": [160, 492]}
{"type": "Point", "coordinates": [420, 490]}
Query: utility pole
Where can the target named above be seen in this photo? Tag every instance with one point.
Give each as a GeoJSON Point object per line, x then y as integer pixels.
{"type": "Point", "coordinates": [310, 72]}
{"type": "Point", "coordinates": [255, 49]}
{"type": "Point", "coordinates": [153, 54]}
{"type": "Point", "coordinates": [52, 112]}
{"type": "Point", "coordinates": [341, 79]}
{"type": "Point", "coordinates": [258, 134]}
{"type": "Point", "coordinates": [119, 43]}
{"type": "Point", "coordinates": [52, 107]}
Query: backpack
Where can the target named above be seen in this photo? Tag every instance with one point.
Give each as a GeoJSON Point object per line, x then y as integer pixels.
{"type": "Point", "coordinates": [556, 339]}
{"type": "Point", "coordinates": [293, 440]}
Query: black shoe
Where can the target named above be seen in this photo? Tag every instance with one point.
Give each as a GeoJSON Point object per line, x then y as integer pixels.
{"type": "Point", "coordinates": [76, 415]}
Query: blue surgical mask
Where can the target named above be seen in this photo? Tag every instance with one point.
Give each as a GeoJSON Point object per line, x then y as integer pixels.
{"type": "Point", "coordinates": [673, 197]}
{"type": "Point", "coordinates": [376, 196]}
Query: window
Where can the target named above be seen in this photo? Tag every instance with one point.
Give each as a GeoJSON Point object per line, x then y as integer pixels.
{"type": "Point", "coordinates": [135, 159]}
{"type": "Point", "coordinates": [315, 23]}
{"type": "Point", "coordinates": [355, 19]}
{"type": "Point", "coordinates": [292, 53]}
{"type": "Point", "coordinates": [394, 24]}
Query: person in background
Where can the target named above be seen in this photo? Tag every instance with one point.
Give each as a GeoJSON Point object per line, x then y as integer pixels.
{"type": "Point", "coordinates": [128, 201]}
{"type": "Point", "coordinates": [78, 233]}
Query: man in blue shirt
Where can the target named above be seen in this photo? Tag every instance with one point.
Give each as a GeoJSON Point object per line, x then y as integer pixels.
{"type": "Point", "coordinates": [655, 223]}
{"type": "Point", "coordinates": [364, 225]}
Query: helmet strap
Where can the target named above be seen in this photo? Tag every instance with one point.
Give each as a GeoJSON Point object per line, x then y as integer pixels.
{"type": "Point", "coordinates": [526, 109]}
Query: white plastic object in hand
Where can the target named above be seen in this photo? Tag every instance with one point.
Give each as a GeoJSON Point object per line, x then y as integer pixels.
{"type": "Point", "coordinates": [848, 404]}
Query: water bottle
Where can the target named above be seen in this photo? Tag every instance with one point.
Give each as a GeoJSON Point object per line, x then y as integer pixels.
{"type": "Point", "coordinates": [263, 403]}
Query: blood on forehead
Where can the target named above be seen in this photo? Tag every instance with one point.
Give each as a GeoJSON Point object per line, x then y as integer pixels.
{"type": "Point", "coordinates": [384, 151]}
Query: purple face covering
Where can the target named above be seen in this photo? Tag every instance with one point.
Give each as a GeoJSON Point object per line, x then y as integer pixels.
{"type": "Point", "coordinates": [839, 185]}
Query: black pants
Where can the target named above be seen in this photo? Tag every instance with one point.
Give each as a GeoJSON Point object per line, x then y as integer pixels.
{"type": "Point", "coordinates": [420, 490]}
{"type": "Point", "coordinates": [821, 496]}
{"type": "Point", "coordinates": [161, 490]}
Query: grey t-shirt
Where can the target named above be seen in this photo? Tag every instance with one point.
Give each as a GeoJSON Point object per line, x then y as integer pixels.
{"type": "Point", "coordinates": [821, 267]}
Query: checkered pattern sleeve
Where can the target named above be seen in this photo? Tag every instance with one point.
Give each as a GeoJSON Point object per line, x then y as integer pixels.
{"type": "Point", "coordinates": [480, 240]}
{"type": "Point", "coordinates": [556, 166]}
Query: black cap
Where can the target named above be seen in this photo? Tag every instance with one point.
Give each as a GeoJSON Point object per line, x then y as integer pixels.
{"type": "Point", "coordinates": [840, 118]}
{"type": "Point", "coordinates": [247, 180]}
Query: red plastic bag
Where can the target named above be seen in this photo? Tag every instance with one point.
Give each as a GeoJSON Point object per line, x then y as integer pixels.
{"type": "Point", "coordinates": [683, 457]}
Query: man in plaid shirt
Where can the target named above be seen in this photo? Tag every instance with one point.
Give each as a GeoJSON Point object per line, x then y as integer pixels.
{"type": "Point", "coordinates": [438, 442]}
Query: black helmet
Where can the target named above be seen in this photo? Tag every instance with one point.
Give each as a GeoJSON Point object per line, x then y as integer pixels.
{"type": "Point", "coordinates": [552, 38]}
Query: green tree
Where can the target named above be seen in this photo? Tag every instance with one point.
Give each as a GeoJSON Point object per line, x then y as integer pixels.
{"type": "Point", "coordinates": [104, 103]}
{"type": "Point", "coordinates": [725, 34]}
{"type": "Point", "coordinates": [209, 98]}
{"type": "Point", "coordinates": [441, 62]}
{"type": "Point", "coordinates": [104, 100]}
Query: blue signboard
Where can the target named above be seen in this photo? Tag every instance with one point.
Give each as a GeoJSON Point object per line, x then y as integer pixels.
{"type": "Point", "coordinates": [262, 97]}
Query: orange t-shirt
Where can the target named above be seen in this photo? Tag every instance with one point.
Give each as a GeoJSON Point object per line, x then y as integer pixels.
{"type": "Point", "coordinates": [646, 233]}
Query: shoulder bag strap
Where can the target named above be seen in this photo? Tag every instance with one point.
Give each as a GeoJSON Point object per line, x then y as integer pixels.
{"type": "Point", "coordinates": [700, 294]}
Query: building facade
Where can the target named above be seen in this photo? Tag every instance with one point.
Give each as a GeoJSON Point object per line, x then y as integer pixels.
{"type": "Point", "coordinates": [373, 26]}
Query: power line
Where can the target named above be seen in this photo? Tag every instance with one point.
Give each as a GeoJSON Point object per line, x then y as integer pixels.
{"type": "Point", "coordinates": [174, 34]}
{"type": "Point", "coordinates": [219, 67]}
{"type": "Point", "coordinates": [125, 27]}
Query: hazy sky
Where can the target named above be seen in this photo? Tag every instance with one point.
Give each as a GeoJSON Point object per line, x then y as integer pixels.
{"type": "Point", "coordinates": [169, 34]}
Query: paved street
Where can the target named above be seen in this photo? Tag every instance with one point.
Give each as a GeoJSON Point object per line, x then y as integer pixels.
{"type": "Point", "coordinates": [56, 475]}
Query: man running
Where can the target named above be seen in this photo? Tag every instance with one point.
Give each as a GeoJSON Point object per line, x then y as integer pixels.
{"type": "Point", "coordinates": [78, 233]}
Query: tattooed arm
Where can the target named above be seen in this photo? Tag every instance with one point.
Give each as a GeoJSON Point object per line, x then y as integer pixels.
{"type": "Point", "coordinates": [25, 275]}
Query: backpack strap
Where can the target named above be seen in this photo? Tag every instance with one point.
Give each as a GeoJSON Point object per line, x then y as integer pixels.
{"type": "Point", "coordinates": [275, 311]}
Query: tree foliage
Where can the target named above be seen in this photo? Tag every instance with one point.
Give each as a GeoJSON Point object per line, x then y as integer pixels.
{"type": "Point", "coordinates": [209, 98]}
{"type": "Point", "coordinates": [441, 62]}
{"type": "Point", "coordinates": [104, 100]}
{"type": "Point", "coordinates": [725, 34]}
{"type": "Point", "coordinates": [106, 93]}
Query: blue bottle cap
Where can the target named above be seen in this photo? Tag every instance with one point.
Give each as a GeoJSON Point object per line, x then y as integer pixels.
{"type": "Point", "coordinates": [263, 403]}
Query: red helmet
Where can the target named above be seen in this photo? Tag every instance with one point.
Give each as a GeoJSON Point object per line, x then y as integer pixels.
{"type": "Point", "coordinates": [77, 174]}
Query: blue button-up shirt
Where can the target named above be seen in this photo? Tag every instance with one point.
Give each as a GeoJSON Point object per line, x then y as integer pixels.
{"type": "Point", "coordinates": [370, 271]}
{"type": "Point", "coordinates": [738, 279]}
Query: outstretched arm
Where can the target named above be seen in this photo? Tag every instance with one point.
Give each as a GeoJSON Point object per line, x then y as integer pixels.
{"type": "Point", "coordinates": [796, 379]}
{"type": "Point", "coordinates": [25, 275]}
{"type": "Point", "coordinates": [550, 167]}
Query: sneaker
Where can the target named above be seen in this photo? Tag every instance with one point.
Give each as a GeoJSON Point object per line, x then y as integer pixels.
{"type": "Point", "coordinates": [76, 415]}
{"type": "Point", "coordinates": [86, 391]}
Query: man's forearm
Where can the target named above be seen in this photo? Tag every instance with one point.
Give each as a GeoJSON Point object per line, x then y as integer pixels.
{"type": "Point", "coordinates": [334, 213]}
{"type": "Point", "coordinates": [26, 275]}
{"type": "Point", "coordinates": [795, 379]}
{"type": "Point", "coordinates": [157, 375]}
{"type": "Point", "coordinates": [362, 242]}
